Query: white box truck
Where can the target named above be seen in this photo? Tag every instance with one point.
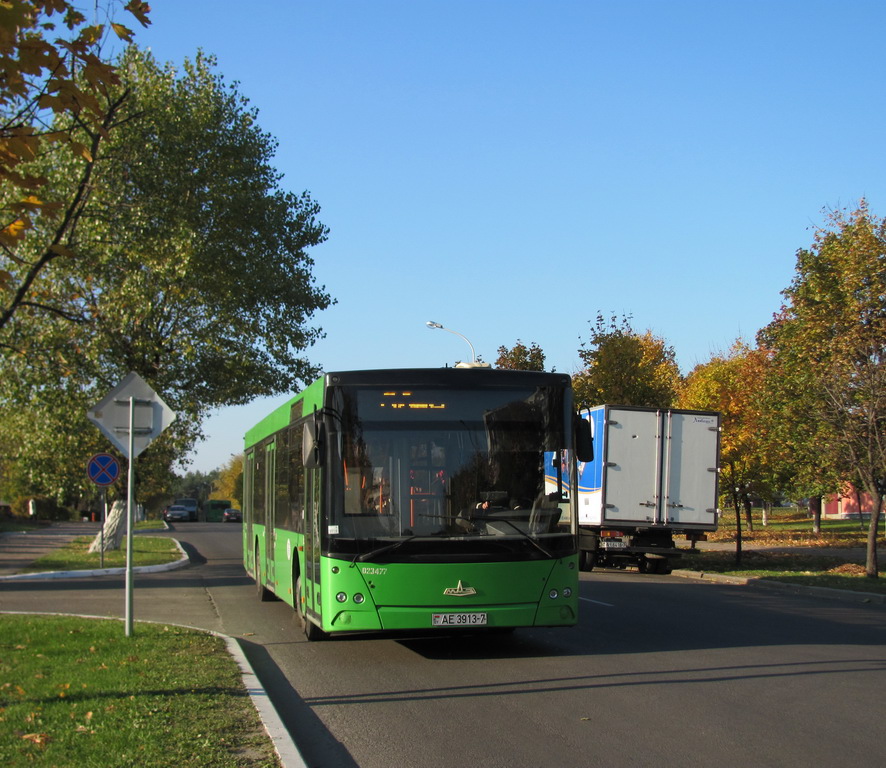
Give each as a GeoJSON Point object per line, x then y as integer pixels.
{"type": "Point", "coordinates": [653, 477]}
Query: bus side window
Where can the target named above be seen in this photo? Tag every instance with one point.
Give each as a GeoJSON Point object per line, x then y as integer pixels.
{"type": "Point", "coordinates": [281, 482]}
{"type": "Point", "coordinates": [296, 479]}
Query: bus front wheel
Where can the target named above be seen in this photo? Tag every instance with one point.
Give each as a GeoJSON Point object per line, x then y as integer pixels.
{"type": "Point", "coordinates": [311, 630]}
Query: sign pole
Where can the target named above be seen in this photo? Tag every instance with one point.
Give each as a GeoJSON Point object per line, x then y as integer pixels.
{"type": "Point", "coordinates": [112, 421]}
{"type": "Point", "coordinates": [129, 516]}
{"type": "Point", "coordinates": [104, 514]}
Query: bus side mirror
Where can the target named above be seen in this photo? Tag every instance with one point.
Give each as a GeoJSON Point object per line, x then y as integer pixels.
{"type": "Point", "coordinates": [584, 440]}
{"type": "Point", "coordinates": [313, 442]}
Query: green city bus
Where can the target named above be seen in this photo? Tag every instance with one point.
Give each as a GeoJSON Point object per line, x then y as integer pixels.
{"type": "Point", "coordinates": [418, 500]}
{"type": "Point", "coordinates": [213, 510]}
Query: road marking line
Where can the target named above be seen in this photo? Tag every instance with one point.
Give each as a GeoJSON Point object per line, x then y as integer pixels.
{"type": "Point", "coordinates": [596, 602]}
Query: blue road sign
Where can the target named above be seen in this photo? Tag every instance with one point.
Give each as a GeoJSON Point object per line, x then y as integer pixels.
{"type": "Point", "coordinates": [103, 469]}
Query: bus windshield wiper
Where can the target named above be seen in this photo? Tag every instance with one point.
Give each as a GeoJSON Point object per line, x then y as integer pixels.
{"type": "Point", "coordinates": [525, 535]}
{"type": "Point", "coordinates": [372, 554]}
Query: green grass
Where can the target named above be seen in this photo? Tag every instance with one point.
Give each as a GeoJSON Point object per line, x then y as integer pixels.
{"type": "Point", "coordinates": [146, 550]}
{"type": "Point", "coordinates": [793, 528]}
{"type": "Point", "coordinates": [150, 525]}
{"type": "Point", "coordinates": [816, 569]}
{"type": "Point", "coordinates": [77, 692]}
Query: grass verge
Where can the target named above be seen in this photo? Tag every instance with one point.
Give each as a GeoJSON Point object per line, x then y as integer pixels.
{"type": "Point", "coordinates": [816, 569]}
{"type": "Point", "coordinates": [146, 550]}
{"type": "Point", "coordinates": [793, 527]}
{"type": "Point", "coordinates": [78, 692]}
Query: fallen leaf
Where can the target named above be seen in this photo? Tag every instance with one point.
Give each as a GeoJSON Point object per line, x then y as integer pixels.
{"type": "Point", "coordinates": [40, 739]}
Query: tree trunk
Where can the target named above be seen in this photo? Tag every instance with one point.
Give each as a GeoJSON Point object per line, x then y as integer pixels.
{"type": "Point", "coordinates": [767, 508]}
{"type": "Point", "coordinates": [815, 509]}
{"type": "Point", "coordinates": [871, 570]}
{"type": "Point", "coordinates": [736, 502]}
{"type": "Point", "coordinates": [748, 516]}
{"type": "Point", "coordinates": [114, 529]}
{"type": "Point", "coordinates": [860, 508]}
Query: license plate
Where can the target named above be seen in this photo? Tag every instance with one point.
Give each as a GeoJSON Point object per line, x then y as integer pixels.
{"type": "Point", "coordinates": [458, 619]}
{"type": "Point", "coordinates": [613, 544]}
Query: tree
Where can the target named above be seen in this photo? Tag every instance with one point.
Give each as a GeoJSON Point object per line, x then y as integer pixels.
{"type": "Point", "coordinates": [521, 358]}
{"type": "Point", "coordinates": [625, 368]}
{"type": "Point", "coordinates": [828, 348]}
{"type": "Point", "coordinates": [749, 464]}
{"type": "Point", "coordinates": [229, 484]}
{"type": "Point", "coordinates": [46, 442]}
{"type": "Point", "coordinates": [192, 265]}
{"type": "Point", "coordinates": [195, 484]}
{"type": "Point", "coordinates": [52, 94]}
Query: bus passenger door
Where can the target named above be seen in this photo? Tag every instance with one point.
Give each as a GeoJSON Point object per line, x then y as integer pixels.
{"type": "Point", "coordinates": [311, 576]}
{"type": "Point", "coordinates": [270, 516]}
{"type": "Point", "coordinates": [248, 480]}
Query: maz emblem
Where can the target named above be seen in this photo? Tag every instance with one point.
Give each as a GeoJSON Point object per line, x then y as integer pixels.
{"type": "Point", "coordinates": [460, 590]}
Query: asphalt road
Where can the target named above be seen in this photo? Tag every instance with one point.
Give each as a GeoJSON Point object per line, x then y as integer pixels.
{"type": "Point", "coordinates": [661, 671]}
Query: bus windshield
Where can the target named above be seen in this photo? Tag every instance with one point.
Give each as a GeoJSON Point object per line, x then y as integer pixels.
{"type": "Point", "coordinates": [430, 473]}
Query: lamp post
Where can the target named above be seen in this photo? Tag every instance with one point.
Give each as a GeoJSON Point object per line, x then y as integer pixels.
{"type": "Point", "coordinates": [473, 364]}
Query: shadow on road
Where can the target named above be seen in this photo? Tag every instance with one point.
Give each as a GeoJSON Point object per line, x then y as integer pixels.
{"type": "Point", "coordinates": [316, 744]}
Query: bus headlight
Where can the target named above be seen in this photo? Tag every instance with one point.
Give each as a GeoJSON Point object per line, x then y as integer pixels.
{"type": "Point", "coordinates": [358, 598]}
{"type": "Point", "coordinates": [341, 597]}
{"type": "Point", "coordinates": [553, 594]}
{"type": "Point", "coordinates": [567, 592]}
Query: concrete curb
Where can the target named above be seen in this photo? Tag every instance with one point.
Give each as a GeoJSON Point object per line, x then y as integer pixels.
{"type": "Point", "coordinates": [284, 746]}
{"type": "Point", "coordinates": [826, 593]}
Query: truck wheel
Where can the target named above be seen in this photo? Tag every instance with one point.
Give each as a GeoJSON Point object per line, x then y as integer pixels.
{"type": "Point", "coordinates": [585, 560]}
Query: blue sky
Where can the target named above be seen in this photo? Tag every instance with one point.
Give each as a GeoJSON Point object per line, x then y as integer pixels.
{"type": "Point", "coordinates": [510, 168]}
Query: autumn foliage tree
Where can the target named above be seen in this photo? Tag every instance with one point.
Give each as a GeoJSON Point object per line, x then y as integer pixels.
{"type": "Point", "coordinates": [828, 350]}
{"type": "Point", "coordinates": [732, 384]}
{"type": "Point", "coordinates": [521, 358]}
{"type": "Point", "coordinates": [192, 270]}
{"type": "Point", "coordinates": [623, 367]}
{"type": "Point", "coordinates": [229, 484]}
{"type": "Point", "coordinates": [54, 95]}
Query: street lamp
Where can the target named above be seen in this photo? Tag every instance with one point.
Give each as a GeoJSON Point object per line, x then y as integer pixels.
{"type": "Point", "coordinates": [473, 364]}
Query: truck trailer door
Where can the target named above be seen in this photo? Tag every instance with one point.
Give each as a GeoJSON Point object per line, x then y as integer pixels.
{"type": "Point", "coordinates": [633, 467]}
{"type": "Point", "coordinates": [690, 473]}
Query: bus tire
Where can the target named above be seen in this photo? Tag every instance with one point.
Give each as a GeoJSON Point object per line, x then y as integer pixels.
{"type": "Point", "coordinates": [312, 631]}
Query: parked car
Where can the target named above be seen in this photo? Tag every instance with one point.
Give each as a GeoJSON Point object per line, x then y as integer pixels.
{"type": "Point", "coordinates": [176, 512]}
{"type": "Point", "coordinates": [232, 515]}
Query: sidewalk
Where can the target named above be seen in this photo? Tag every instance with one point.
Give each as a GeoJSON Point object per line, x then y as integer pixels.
{"type": "Point", "coordinates": [20, 549]}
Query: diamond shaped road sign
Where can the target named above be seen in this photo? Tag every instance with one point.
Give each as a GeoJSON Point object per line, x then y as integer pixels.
{"type": "Point", "coordinates": [150, 415]}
